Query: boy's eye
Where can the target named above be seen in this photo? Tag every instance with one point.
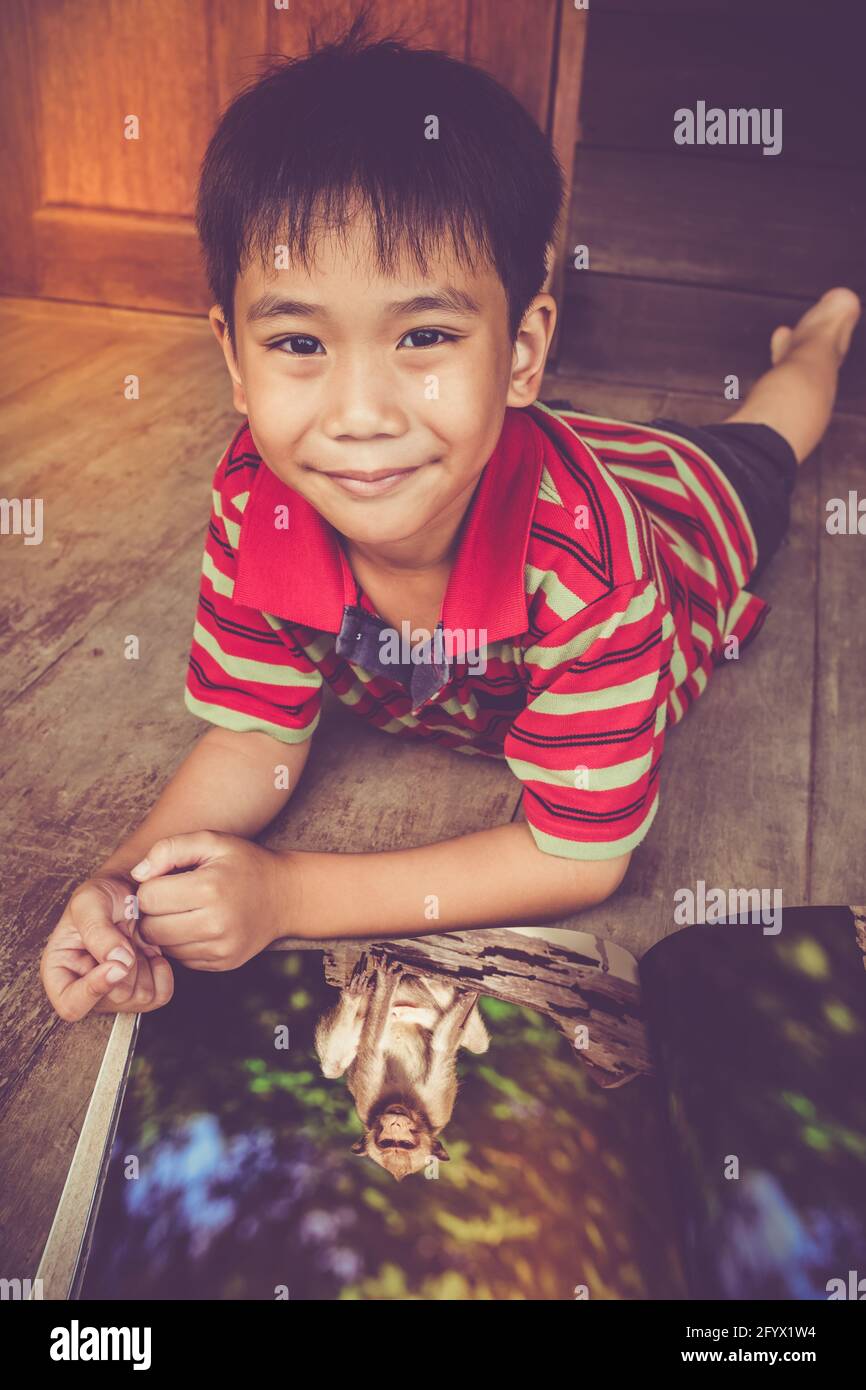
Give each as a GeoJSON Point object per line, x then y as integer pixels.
{"type": "Point", "coordinates": [430, 333]}
{"type": "Point", "coordinates": [302, 345]}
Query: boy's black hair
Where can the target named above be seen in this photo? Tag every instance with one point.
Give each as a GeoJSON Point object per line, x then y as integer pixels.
{"type": "Point", "coordinates": [350, 118]}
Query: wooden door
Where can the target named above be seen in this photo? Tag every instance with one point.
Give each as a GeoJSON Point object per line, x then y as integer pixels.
{"type": "Point", "coordinates": [107, 107]}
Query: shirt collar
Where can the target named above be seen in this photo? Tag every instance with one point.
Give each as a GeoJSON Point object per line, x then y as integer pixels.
{"type": "Point", "coordinates": [301, 573]}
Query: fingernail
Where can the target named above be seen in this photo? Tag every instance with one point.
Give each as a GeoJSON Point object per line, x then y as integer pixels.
{"type": "Point", "coordinates": [116, 973]}
{"type": "Point", "coordinates": [141, 870]}
{"type": "Point", "coordinates": [120, 954]}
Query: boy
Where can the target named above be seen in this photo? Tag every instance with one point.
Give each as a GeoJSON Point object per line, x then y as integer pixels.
{"type": "Point", "coordinates": [377, 223]}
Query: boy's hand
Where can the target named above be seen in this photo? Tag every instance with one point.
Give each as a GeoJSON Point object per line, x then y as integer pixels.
{"type": "Point", "coordinates": [84, 963]}
{"type": "Point", "coordinates": [229, 904]}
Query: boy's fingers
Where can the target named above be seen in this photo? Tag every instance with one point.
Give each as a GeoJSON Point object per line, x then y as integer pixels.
{"type": "Point", "coordinates": [154, 987]}
{"type": "Point", "coordinates": [125, 985]}
{"type": "Point", "coordinates": [163, 982]}
{"type": "Point", "coordinates": [132, 995]}
{"type": "Point", "coordinates": [93, 916]}
{"type": "Point", "coordinates": [81, 995]}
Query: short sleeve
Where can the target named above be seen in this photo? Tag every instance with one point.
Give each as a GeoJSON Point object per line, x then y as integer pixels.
{"type": "Point", "coordinates": [246, 671]}
{"type": "Point", "coordinates": [587, 746]}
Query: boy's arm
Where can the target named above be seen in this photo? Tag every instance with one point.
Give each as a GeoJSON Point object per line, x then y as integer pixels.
{"type": "Point", "coordinates": [489, 878]}
{"type": "Point", "coordinates": [225, 784]}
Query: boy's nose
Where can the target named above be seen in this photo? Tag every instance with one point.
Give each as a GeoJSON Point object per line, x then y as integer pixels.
{"type": "Point", "coordinates": [361, 404]}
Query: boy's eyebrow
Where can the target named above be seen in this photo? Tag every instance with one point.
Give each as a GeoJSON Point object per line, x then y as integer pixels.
{"type": "Point", "coordinates": [452, 300]}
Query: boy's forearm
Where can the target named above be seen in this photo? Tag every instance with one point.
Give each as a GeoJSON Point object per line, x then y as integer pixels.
{"type": "Point", "coordinates": [226, 783]}
{"type": "Point", "coordinates": [489, 878]}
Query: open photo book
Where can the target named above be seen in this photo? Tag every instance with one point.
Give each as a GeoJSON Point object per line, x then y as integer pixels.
{"type": "Point", "coordinates": [520, 1113]}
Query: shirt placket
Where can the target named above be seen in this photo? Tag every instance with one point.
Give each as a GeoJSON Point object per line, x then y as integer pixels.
{"type": "Point", "coordinates": [359, 641]}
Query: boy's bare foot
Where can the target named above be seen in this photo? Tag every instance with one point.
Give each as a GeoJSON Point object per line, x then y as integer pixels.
{"type": "Point", "coordinates": [795, 396]}
{"type": "Point", "coordinates": [829, 322]}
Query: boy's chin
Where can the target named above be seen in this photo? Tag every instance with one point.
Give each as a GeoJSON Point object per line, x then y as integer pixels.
{"type": "Point", "coordinates": [374, 527]}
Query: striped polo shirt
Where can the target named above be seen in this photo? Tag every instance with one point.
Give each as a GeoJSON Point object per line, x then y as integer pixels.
{"type": "Point", "coordinates": [598, 580]}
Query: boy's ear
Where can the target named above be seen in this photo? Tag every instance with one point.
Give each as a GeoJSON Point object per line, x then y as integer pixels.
{"type": "Point", "coordinates": [218, 324]}
{"type": "Point", "coordinates": [530, 351]}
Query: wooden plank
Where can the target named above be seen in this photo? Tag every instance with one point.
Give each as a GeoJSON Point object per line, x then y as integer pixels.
{"type": "Point", "coordinates": [676, 218]}
{"type": "Point", "coordinates": [18, 154]}
{"type": "Point", "coordinates": [100, 463]}
{"type": "Point", "coordinates": [604, 397]}
{"type": "Point", "coordinates": [39, 1128]}
{"type": "Point", "coordinates": [47, 338]}
{"type": "Point", "coordinates": [239, 36]}
{"type": "Point", "coordinates": [838, 812]}
{"type": "Point", "coordinates": [734, 801]}
{"type": "Point", "coordinates": [120, 258]}
{"type": "Point", "coordinates": [644, 65]}
{"type": "Point", "coordinates": [100, 61]}
{"type": "Point", "coordinates": [515, 42]}
{"type": "Point", "coordinates": [564, 127]}
{"type": "Point", "coordinates": [681, 337]}
{"type": "Point", "coordinates": [787, 8]}
{"type": "Point", "coordinates": [426, 24]}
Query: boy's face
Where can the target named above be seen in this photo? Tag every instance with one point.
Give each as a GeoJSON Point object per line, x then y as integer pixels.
{"type": "Point", "coordinates": [353, 378]}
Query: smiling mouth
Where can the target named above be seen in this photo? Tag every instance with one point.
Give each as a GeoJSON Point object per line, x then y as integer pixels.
{"type": "Point", "coordinates": [372, 484]}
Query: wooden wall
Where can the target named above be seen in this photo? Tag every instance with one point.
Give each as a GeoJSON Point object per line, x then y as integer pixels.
{"type": "Point", "coordinates": [696, 252]}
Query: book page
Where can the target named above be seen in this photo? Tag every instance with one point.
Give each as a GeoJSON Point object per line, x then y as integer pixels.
{"type": "Point", "coordinates": [759, 1030]}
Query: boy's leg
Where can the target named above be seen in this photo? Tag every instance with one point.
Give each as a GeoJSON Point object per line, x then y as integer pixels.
{"type": "Point", "coordinates": [795, 397]}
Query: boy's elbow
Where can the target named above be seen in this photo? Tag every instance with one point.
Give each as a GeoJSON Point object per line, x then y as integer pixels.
{"type": "Point", "coordinates": [607, 875]}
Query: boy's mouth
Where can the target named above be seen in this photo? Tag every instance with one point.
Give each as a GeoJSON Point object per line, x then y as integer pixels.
{"type": "Point", "coordinates": [371, 484]}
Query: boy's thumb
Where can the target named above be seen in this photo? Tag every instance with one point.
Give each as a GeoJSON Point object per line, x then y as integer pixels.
{"type": "Point", "coordinates": [184, 851]}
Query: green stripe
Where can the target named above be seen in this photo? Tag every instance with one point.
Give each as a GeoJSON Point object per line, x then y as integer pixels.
{"type": "Point", "coordinates": [560, 599]}
{"type": "Point", "coordinates": [232, 529]}
{"type": "Point", "coordinates": [726, 484]}
{"type": "Point", "coordinates": [601, 779]}
{"type": "Point", "coordinates": [679, 669]}
{"type": "Point", "coordinates": [739, 605]}
{"type": "Point", "coordinates": [702, 565]}
{"type": "Point", "coordinates": [319, 648]}
{"type": "Point", "coordinates": [610, 698]}
{"type": "Point", "coordinates": [641, 475]}
{"type": "Point", "coordinates": [547, 489]}
{"type": "Point", "coordinates": [685, 473]}
{"type": "Point", "coordinates": [265, 672]}
{"type": "Point", "coordinates": [625, 506]}
{"type": "Point", "coordinates": [247, 723]}
{"type": "Point", "coordinates": [640, 607]}
{"type": "Point", "coordinates": [578, 849]}
{"type": "Point", "coordinates": [220, 582]}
